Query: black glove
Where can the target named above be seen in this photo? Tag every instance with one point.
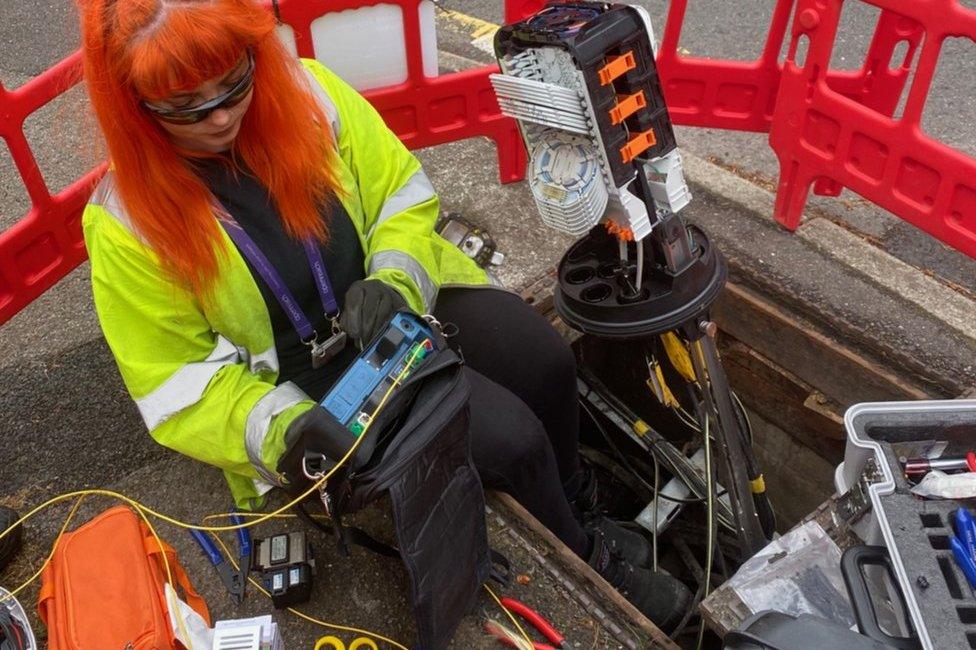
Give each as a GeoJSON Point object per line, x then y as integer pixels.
{"type": "Point", "coordinates": [316, 431]}
{"type": "Point", "coordinates": [368, 307]}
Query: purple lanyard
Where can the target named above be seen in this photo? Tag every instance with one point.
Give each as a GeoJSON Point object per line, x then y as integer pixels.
{"type": "Point", "coordinates": [273, 279]}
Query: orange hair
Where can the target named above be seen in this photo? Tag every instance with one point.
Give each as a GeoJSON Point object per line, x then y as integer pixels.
{"type": "Point", "coordinates": [150, 49]}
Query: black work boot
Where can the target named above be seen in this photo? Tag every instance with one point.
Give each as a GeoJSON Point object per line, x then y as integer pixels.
{"type": "Point", "coordinates": [597, 490]}
{"type": "Point", "coordinates": [628, 544]}
{"type": "Point", "coordinates": [660, 597]}
{"type": "Point", "coordinates": [588, 510]}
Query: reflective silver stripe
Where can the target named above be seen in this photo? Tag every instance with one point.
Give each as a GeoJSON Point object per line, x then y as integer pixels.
{"type": "Point", "coordinates": [258, 423]}
{"type": "Point", "coordinates": [106, 195]}
{"type": "Point", "coordinates": [328, 106]}
{"type": "Point", "coordinates": [266, 361]}
{"type": "Point", "coordinates": [415, 191]}
{"type": "Point", "coordinates": [186, 386]}
{"type": "Point", "coordinates": [261, 487]}
{"type": "Point", "coordinates": [403, 262]}
{"type": "Point", "coordinates": [495, 282]}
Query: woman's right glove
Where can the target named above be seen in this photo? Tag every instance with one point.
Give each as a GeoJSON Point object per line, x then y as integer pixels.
{"type": "Point", "coordinates": [368, 307]}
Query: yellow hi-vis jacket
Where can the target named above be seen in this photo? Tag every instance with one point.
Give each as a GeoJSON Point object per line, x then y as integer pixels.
{"type": "Point", "coordinates": [204, 377]}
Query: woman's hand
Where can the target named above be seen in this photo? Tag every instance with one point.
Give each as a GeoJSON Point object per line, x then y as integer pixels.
{"type": "Point", "coordinates": [367, 309]}
{"type": "Point", "coordinates": [314, 431]}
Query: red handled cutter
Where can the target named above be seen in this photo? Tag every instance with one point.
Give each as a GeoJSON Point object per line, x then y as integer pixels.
{"type": "Point", "coordinates": [537, 621]}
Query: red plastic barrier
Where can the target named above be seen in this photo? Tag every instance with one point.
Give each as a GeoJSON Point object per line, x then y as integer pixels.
{"type": "Point", "coordinates": [737, 95]}
{"type": "Point", "coordinates": [741, 95]}
{"type": "Point", "coordinates": [427, 111]}
{"type": "Point", "coordinates": [829, 128]}
{"type": "Point", "coordinates": [46, 244]}
{"type": "Point", "coordinates": [844, 133]}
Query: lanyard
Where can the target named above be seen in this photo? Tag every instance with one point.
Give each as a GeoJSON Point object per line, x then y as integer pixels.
{"type": "Point", "coordinates": [273, 279]}
{"type": "Point", "coordinates": [321, 352]}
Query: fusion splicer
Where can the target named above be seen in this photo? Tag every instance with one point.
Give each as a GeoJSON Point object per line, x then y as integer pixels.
{"type": "Point", "coordinates": [354, 399]}
{"type": "Point", "coordinates": [286, 564]}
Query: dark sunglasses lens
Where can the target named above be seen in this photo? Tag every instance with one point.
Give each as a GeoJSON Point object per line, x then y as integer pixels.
{"type": "Point", "coordinates": [184, 118]}
{"type": "Point", "coordinates": [193, 117]}
{"type": "Point", "coordinates": [237, 96]}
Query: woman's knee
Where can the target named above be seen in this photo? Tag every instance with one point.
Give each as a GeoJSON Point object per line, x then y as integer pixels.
{"type": "Point", "coordinates": [537, 352]}
{"type": "Point", "coordinates": [504, 430]}
{"type": "Point", "coordinates": [526, 444]}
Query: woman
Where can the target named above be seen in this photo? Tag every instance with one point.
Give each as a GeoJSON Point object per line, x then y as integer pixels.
{"type": "Point", "coordinates": [225, 337]}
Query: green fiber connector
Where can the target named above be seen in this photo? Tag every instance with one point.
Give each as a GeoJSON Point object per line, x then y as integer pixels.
{"type": "Point", "coordinates": [357, 427]}
{"type": "Point", "coordinates": [416, 354]}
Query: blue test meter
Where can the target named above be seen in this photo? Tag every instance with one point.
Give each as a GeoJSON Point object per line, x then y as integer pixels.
{"type": "Point", "coordinates": [353, 399]}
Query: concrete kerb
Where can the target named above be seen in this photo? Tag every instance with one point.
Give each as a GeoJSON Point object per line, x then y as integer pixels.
{"type": "Point", "coordinates": [951, 307]}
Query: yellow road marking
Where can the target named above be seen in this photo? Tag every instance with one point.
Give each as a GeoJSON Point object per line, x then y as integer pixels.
{"type": "Point", "coordinates": [476, 27]}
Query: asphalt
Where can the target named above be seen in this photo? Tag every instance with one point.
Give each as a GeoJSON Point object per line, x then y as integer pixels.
{"type": "Point", "coordinates": [68, 423]}
{"type": "Point", "coordinates": [365, 591]}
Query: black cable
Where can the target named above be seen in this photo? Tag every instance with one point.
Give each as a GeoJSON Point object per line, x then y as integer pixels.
{"type": "Point", "coordinates": [722, 566]}
{"type": "Point", "coordinates": [621, 457]}
{"type": "Point", "coordinates": [605, 394]}
{"type": "Point", "coordinates": [742, 416]}
{"type": "Point", "coordinates": [613, 446]}
{"type": "Point", "coordinates": [678, 468]}
{"type": "Point", "coordinates": [686, 481]}
{"type": "Point", "coordinates": [744, 438]}
{"type": "Point", "coordinates": [764, 509]}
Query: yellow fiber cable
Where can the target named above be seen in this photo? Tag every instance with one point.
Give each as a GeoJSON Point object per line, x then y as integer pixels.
{"type": "Point", "coordinates": [508, 613]}
{"type": "Point", "coordinates": [177, 613]}
{"type": "Point", "coordinates": [300, 614]}
{"type": "Point", "coordinates": [145, 510]}
{"type": "Point", "coordinates": [50, 555]}
{"type": "Point", "coordinates": [666, 397]}
{"type": "Point", "coordinates": [216, 529]}
{"type": "Point", "coordinates": [57, 539]}
{"type": "Point", "coordinates": [678, 354]}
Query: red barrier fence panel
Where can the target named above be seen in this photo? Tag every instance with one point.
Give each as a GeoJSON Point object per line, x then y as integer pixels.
{"type": "Point", "coordinates": [46, 244]}
{"type": "Point", "coordinates": [880, 81]}
{"type": "Point", "coordinates": [427, 111]}
{"type": "Point", "coordinates": [738, 95]}
{"type": "Point", "coordinates": [822, 130]}
{"type": "Point", "coordinates": [742, 95]}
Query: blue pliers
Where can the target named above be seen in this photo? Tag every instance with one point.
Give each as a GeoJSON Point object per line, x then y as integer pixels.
{"type": "Point", "coordinates": [963, 544]}
{"type": "Point", "coordinates": [235, 581]}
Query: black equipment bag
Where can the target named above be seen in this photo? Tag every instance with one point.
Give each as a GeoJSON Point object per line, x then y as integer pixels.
{"type": "Point", "coordinates": [418, 452]}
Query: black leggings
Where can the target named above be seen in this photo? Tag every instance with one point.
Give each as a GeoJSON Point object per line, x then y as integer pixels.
{"type": "Point", "coordinates": [524, 415]}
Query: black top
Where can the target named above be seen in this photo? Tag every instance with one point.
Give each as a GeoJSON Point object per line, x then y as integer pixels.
{"type": "Point", "coordinates": [249, 203]}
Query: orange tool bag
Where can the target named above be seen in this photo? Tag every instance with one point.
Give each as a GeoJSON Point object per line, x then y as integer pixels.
{"type": "Point", "coordinates": [104, 587]}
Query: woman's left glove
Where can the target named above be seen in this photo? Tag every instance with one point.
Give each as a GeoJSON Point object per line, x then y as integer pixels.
{"type": "Point", "coordinates": [318, 432]}
{"type": "Point", "coordinates": [368, 307]}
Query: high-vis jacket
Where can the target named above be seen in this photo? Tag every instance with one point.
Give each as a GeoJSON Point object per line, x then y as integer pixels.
{"type": "Point", "coordinates": [204, 377]}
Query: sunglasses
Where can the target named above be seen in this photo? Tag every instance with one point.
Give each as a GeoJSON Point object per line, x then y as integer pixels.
{"type": "Point", "coordinates": [199, 113]}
